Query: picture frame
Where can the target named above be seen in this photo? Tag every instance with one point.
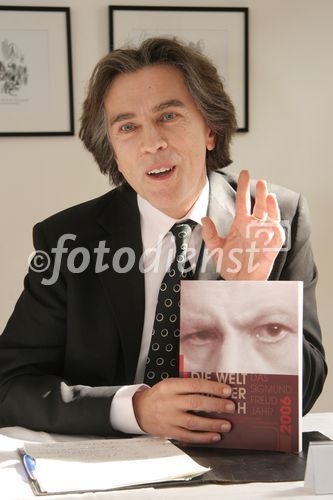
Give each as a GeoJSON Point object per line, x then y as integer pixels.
{"type": "Point", "coordinates": [36, 82]}
{"type": "Point", "coordinates": [221, 33]}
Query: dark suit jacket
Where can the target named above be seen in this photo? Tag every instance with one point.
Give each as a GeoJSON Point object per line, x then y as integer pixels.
{"type": "Point", "coordinates": [69, 346]}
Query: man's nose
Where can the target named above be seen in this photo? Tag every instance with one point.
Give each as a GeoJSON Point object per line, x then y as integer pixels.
{"type": "Point", "coordinates": [152, 140]}
{"type": "Point", "coordinates": [233, 352]}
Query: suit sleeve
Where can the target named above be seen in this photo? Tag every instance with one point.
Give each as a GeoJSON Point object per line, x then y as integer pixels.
{"type": "Point", "coordinates": [33, 392]}
{"type": "Point", "coordinates": [300, 266]}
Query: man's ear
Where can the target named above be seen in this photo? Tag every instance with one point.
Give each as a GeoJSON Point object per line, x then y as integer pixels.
{"type": "Point", "coordinates": [211, 140]}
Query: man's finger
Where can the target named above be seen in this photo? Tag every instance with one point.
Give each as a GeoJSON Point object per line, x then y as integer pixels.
{"type": "Point", "coordinates": [273, 210]}
{"type": "Point", "coordinates": [194, 422]}
{"type": "Point", "coordinates": [243, 200]}
{"type": "Point", "coordinates": [198, 402]}
{"type": "Point", "coordinates": [279, 237]}
{"type": "Point", "coordinates": [260, 205]}
{"type": "Point", "coordinates": [210, 235]}
{"type": "Point", "coordinates": [185, 436]}
{"type": "Point", "coordinates": [184, 386]}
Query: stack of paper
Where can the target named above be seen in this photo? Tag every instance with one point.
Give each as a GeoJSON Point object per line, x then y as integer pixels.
{"type": "Point", "coordinates": [105, 464]}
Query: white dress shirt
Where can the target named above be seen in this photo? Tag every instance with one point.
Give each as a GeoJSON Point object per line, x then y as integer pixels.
{"type": "Point", "coordinates": [158, 253]}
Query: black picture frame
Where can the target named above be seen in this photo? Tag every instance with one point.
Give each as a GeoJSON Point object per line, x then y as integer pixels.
{"type": "Point", "coordinates": [36, 77]}
{"type": "Point", "coordinates": [130, 24]}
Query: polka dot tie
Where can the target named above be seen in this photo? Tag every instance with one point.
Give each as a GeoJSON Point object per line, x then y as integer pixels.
{"type": "Point", "coordinates": [163, 356]}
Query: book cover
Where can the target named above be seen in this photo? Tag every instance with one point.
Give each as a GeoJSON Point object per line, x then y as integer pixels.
{"type": "Point", "coordinates": [248, 334]}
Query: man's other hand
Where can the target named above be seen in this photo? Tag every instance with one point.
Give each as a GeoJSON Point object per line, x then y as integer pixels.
{"type": "Point", "coordinates": [168, 409]}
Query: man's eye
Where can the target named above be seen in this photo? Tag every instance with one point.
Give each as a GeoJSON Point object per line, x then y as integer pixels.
{"type": "Point", "coordinates": [127, 127]}
{"type": "Point", "coordinates": [271, 332]}
{"type": "Point", "coordinates": [198, 339]}
{"type": "Point", "coordinates": [167, 117]}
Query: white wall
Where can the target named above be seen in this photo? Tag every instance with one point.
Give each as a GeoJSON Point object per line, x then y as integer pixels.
{"type": "Point", "coordinates": [291, 107]}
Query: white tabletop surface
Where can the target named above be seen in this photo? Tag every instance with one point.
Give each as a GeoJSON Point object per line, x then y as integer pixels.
{"type": "Point", "coordinates": [15, 486]}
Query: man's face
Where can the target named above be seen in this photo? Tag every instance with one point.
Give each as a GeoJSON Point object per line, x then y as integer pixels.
{"type": "Point", "coordinates": [159, 137]}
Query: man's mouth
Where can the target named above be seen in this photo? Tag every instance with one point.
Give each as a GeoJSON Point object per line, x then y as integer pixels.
{"type": "Point", "coordinates": [161, 172]}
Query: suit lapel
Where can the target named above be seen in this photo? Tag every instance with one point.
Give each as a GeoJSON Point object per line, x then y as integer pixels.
{"type": "Point", "coordinates": [125, 290]}
{"type": "Point", "coordinates": [221, 209]}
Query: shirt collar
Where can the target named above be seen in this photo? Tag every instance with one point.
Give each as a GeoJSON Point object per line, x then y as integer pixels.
{"type": "Point", "coordinates": [156, 224]}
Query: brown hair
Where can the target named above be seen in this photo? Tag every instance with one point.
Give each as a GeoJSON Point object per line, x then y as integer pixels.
{"type": "Point", "coordinates": [200, 77]}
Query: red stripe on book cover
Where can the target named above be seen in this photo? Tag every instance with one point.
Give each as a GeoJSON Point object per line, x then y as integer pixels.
{"type": "Point", "coordinates": [183, 374]}
{"type": "Point", "coordinates": [181, 363]}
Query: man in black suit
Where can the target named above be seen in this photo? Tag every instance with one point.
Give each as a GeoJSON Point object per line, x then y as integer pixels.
{"type": "Point", "coordinates": [74, 352]}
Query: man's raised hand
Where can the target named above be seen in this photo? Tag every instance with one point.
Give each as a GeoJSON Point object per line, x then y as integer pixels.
{"type": "Point", "coordinates": [254, 240]}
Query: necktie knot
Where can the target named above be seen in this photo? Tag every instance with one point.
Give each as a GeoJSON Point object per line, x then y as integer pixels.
{"type": "Point", "coordinates": [182, 232]}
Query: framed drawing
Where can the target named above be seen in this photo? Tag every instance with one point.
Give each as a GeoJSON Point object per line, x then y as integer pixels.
{"type": "Point", "coordinates": [36, 86]}
{"type": "Point", "coordinates": [220, 32]}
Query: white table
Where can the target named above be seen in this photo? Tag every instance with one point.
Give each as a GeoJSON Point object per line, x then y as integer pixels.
{"type": "Point", "coordinates": [15, 486]}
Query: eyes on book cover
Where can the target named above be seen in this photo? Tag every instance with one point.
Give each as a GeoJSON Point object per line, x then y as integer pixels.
{"type": "Point", "coordinates": [248, 334]}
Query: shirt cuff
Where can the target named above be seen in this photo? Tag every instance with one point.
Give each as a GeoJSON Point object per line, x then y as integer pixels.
{"type": "Point", "coordinates": [122, 413]}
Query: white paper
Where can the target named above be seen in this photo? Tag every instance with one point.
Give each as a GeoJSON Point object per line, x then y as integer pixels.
{"type": "Point", "coordinates": [111, 463]}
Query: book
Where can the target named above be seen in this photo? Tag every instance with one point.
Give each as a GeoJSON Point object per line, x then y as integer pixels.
{"type": "Point", "coordinates": [248, 334]}
{"type": "Point", "coordinates": [105, 464]}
